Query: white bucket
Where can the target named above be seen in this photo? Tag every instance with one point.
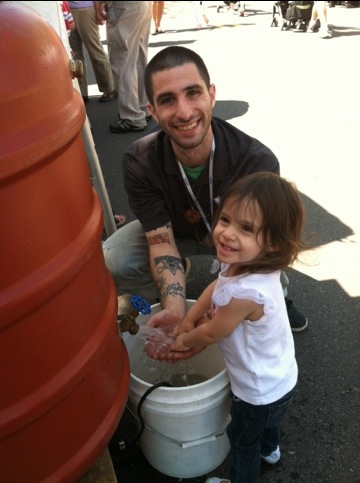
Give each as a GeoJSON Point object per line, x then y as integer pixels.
{"type": "Point", "coordinates": [184, 433]}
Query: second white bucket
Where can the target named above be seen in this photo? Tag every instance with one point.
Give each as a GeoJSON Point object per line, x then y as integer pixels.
{"type": "Point", "coordinates": [185, 426]}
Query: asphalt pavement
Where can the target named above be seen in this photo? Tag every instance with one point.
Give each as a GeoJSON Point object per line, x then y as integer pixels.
{"type": "Point", "coordinates": [300, 95]}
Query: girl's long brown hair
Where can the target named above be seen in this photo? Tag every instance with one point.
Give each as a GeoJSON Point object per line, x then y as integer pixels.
{"type": "Point", "coordinates": [283, 218]}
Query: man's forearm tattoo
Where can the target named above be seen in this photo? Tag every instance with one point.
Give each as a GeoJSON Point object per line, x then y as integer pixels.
{"type": "Point", "coordinates": [168, 263]}
{"type": "Point", "coordinates": [174, 289]}
{"type": "Point", "coordinates": [157, 239]}
{"type": "Point", "coordinates": [161, 237]}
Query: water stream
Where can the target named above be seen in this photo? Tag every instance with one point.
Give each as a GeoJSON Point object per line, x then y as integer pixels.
{"type": "Point", "coordinates": [153, 371]}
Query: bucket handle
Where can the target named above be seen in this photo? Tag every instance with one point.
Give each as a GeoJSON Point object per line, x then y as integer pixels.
{"type": "Point", "coordinates": [198, 442]}
{"type": "Point", "coordinates": [187, 444]}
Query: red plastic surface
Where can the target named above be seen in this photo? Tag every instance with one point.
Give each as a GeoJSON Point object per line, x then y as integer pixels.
{"type": "Point", "coordinates": [64, 371]}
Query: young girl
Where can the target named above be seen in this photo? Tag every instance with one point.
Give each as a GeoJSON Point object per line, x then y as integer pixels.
{"type": "Point", "coordinates": [257, 233]}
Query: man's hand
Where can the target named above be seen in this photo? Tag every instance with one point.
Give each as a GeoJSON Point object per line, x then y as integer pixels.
{"type": "Point", "coordinates": [170, 355]}
{"type": "Point", "coordinates": [101, 12]}
{"type": "Point", "coordinates": [168, 321]}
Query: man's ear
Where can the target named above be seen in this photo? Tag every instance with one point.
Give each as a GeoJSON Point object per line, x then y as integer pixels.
{"type": "Point", "coordinates": [152, 111]}
{"type": "Point", "coordinates": [212, 92]}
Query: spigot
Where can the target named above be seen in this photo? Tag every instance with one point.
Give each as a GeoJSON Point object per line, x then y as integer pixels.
{"type": "Point", "coordinates": [129, 307]}
{"type": "Point", "coordinates": [76, 68]}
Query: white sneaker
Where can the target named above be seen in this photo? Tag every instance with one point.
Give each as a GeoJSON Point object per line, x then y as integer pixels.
{"type": "Point", "coordinates": [325, 33]}
{"type": "Point", "coordinates": [311, 28]}
{"type": "Point", "coordinates": [273, 457]}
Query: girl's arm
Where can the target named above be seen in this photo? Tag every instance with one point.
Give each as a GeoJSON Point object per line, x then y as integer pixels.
{"type": "Point", "coordinates": [225, 321]}
{"type": "Point", "coordinates": [197, 311]}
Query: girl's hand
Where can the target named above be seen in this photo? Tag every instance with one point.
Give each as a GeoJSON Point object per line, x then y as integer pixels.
{"type": "Point", "coordinates": [179, 345]}
{"type": "Point", "coordinates": [187, 324]}
{"type": "Point", "coordinates": [171, 322]}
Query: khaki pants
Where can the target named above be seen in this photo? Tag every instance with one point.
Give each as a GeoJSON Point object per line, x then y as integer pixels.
{"type": "Point", "coordinates": [87, 33]}
{"type": "Point", "coordinates": [128, 30]}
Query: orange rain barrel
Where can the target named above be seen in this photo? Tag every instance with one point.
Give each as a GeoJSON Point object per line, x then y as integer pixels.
{"type": "Point", "coordinates": [64, 369]}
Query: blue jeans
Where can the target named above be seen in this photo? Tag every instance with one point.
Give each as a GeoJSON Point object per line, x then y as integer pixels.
{"type": "Point", "coordinates": [254, 431]}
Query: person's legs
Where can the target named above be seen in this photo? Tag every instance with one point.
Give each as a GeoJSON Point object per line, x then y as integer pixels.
{"type": "Point", "coordinates": [254, 432]}
{"type": "Point", "coordinates": [322, 13]}
{"type": "Point", "coordinates": [324, 31]}
{"type": "Point", "coordinates": [314, 13]}
{"type": "Point", "coordinates": [270, 441]}
{"type": "Point", "coordinates": [270, 438]}
{"type": "Point", "coordinates": [142, 63]}
{"type": "Point", "coordinates": [88, 30]}
{"type": "Point", "coordinates": [298, 321]}
{"type": "Point", "coordinates": [313, 18]}
{"type": "Point", "coordinates": [204, 12]}
{"type": "Point", "coordinates": [124, 38]}
{"type": "Point", "coordinates": [319, 12]}
{"type": "Point", "coordinates": [244, 431]}
{"type": "Point", "coordinates": [126, 257]}
{"type": "Point", "coordinates": [197, 12]}
{"type": "Point", "coordinates": [76, 45]}
{"type": "Point", "coordinates": [157, 13]}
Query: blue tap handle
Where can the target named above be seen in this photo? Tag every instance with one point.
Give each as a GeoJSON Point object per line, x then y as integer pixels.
{"type": "Point", "coordinates": [140, 304]}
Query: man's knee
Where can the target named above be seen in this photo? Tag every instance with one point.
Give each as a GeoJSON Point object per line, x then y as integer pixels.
{"type": "Point", "coordinates": [125, 250]}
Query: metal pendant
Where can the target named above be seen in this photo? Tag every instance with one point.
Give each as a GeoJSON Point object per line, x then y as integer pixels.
{"type": "Point", "coordinates": [192, 216]}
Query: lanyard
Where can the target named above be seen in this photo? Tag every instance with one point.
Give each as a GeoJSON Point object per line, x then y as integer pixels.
{"type": "Point", "coordinates": [191, 193]}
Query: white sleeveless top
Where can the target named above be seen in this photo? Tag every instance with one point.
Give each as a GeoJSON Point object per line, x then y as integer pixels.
{"type": "Point", "coordinates": [259, 356]}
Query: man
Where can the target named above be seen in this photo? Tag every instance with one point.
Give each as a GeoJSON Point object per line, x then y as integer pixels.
{"type": "Point", "coordinates": [174, 179]}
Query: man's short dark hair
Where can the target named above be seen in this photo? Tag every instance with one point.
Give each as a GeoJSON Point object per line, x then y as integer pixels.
{"type": "Point", "coordinates": [169, 58]}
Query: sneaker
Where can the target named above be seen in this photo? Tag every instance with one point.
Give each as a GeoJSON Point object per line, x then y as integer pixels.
{"type": "Point", "coordinates": [109, 96]}
{"type": "Point", "coordinates": [187, 266]}
{"type": "Point", "coordinates": [213, 479]}
{"type": "Point", "coordinates": [298, 321]}
{"type": "Point", "coordinates": [123, 126]}
{"type": "Point", "coordinates": [273, 457]}
{"type": "Point", "coordinates": [311, 28]}
{"type": "Point", "coordinates": [324, 33]}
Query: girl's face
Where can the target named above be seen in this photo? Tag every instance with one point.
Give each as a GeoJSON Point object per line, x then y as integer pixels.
{"type": "Point", "coordinates": [236, 236]}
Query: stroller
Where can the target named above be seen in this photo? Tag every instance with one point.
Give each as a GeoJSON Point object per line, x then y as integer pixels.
{"type": "Point", "coordinates": [292, 15]}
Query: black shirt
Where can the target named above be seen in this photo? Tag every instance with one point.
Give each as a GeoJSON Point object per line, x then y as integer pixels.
{"type": "Point", "coordinates": [155, 188]}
